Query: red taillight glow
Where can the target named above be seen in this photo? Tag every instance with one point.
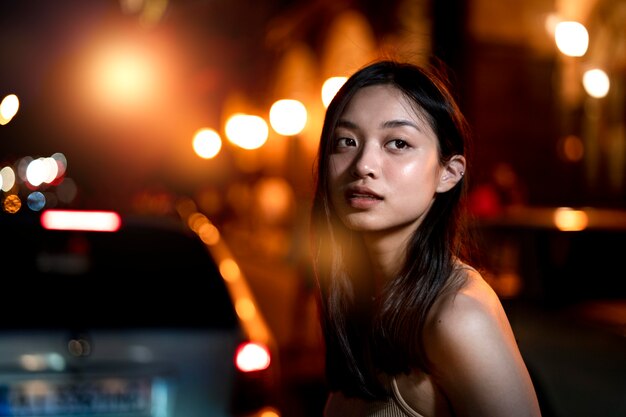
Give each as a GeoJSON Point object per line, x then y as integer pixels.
{"type": "Point", "coordinates": [252, 357]}
{"type": "Point", "coordinates": [99, 221]}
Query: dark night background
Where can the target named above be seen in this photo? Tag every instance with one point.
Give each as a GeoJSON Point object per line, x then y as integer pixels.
{"type": "Point", "coordinates": [507, 87]}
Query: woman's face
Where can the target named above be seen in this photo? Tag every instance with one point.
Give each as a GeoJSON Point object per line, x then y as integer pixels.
{"type": "Point", "coordinates": [384, 167]}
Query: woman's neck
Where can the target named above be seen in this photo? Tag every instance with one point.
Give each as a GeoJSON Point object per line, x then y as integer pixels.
{"type": "Point", "coordinates": [387, 254]}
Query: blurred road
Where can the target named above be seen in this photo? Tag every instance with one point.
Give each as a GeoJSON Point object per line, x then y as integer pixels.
{"type": "Point", "coordinates": [577, 355]}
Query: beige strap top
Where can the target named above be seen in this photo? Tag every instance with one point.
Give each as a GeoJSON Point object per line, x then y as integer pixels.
{"type": "Point", "coordinates": [339, 405]}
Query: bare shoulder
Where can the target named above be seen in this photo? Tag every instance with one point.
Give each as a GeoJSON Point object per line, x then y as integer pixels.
{"type": "Point", "coordinates": [473, 353]}
{"type": "Point", "coordinates": [475, 303]}
{"type": "Point", "coordinates": [470, 318]}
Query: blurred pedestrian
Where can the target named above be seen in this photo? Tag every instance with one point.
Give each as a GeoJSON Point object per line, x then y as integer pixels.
{"type": "Point", "coordinates": [410, 327]}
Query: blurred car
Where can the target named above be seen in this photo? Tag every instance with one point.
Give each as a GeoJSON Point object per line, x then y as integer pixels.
{"type": "Point", "coordinates": [118, 315]}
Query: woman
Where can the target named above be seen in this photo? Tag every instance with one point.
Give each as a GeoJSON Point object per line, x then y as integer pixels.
{"type": "Point", "coordinates": [409, 328]}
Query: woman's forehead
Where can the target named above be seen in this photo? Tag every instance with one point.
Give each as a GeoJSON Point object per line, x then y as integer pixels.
{"type": "Point", "coordinates": [385, 101]}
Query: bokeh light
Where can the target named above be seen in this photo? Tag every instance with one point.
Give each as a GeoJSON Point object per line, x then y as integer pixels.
{"type": "Point", "coordinates": [596, 83]}
{"type": "Point", "coordinates": [571, 38]}
{"type": "Point", "coordinates": [274, 199]}
{"type": "Point", "coordinates": [36, 201]}
{"type": "Point", "coordinates": [230, 270]}
{"type": "Point", "coordinates": [12, 204]}
{"type": "Point", "coordinates": [209, 234]}
{"type": "Point", "coordinates": [245, 308]}
{"type": "Point", "coordinates": [247, 131]}
{"type": "Point", "coordinates": [61, 161]}
{"type": "Point", "coordinates": [330, 88]}
{"type": "Point", "coordinates": [41, 170]}
{"type": "Point", "coordinates": [8, 178]}
{"type": "Point", "coordinates": [8, 108]}
{"type": "Point", "coordinates": [567, 219]}
{"type": "Point", "coordinates": [288, 117]}
{"type": "Point", "coordinates": [207, 143]}
{"type": "Point", "coordinates": [123, 76]}
{"type": "Point", "coordinates": [252, 357]}
{"type": "Point", "coordinates": [571, 148]}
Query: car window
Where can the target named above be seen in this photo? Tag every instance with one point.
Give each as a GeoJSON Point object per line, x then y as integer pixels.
{"type": "Point", "coordinates": [149, 273]}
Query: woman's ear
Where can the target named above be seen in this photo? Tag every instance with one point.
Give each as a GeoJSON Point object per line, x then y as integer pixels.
{"type": "Point", "coordinates": [451, 174]}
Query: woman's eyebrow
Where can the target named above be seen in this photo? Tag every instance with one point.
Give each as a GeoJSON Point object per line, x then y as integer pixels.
{"type": "Point", "coordinates": [346, 123]}
{"type": "Point", "coordinates": [400, 123]}
{"type": "Point", "coordinates": [389, 124]}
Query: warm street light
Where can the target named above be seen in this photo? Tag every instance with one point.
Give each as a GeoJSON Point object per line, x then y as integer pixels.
{"type": "Point", "coordinates": [288, 117]}
{"type": "Point", "coordinates": [207, 143]}
{"type": "Point", "coordinates": [330, 88]}
{"type": "Point", "coordinates": [571, 38]}
{"type": "Point", "coordinates": [596, 83]}
{"type": "Point", "coordinates": [123, 75]}
{"type": "Point", "coordinates": [8, 108]}
{"type": "Point", "coordinates": [246, 131]}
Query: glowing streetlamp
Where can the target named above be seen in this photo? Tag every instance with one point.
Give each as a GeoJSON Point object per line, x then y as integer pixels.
{"type": "Point", "coordinates": [330, 88]}
{"type": "Point", "coordinates": [8, 108]}
{"type": "Point", "coordinates": [288, 117]}
{"type": "Point", "coordinates": [246, 131]}
{"type": "Point", "coordinates": [596, 83]}
{"type": "Point", "coordinates": [571, 38]}
{"type": "Point", "coordinates": [207, 143]}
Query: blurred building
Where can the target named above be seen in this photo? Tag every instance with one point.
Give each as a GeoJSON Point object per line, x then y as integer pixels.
{"type": "Point", "coordinates": [524, 98]}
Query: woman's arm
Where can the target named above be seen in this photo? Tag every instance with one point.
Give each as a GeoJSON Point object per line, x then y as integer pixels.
{"type": "Point", "coordinates": [474, 356]}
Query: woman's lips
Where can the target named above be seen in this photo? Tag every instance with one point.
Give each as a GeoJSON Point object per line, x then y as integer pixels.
{"type": "Point", "coordinates": [362, 198]}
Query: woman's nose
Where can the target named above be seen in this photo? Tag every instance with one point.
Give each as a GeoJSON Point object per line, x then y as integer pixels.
{"type": "Point", "coordinates": [366, 163]}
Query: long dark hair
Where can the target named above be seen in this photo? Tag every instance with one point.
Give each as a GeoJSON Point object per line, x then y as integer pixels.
{"type": "Point", "coordinates": [365, 336]}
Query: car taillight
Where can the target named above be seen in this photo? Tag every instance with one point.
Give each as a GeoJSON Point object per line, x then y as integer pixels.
{"type": "Point", "coordinates": [252, 357]}
{"type": "Point", "coordinates": [98, 221]}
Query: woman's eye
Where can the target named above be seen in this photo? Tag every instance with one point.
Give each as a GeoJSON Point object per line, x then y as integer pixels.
{"type": "Point", "coordinates": [397, 144]}
{"type": "Point", "coordinates": [345, 142]}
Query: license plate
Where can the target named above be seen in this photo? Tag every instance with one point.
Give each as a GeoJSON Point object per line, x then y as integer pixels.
{"type": "Point", "coordinates": [85, 397]}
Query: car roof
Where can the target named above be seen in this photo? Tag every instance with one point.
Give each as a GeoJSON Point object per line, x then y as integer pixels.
{"type": "Point", "coordinates": [152, 271]}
